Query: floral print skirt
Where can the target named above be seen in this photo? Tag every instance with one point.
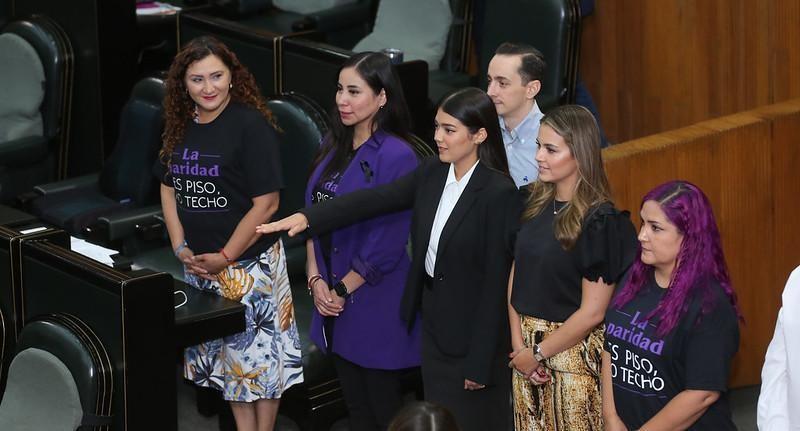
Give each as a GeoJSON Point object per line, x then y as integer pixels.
{"type": "Point", "coordinates": [264, 360]}
{"type": "Point", "coordinates": [571, 400]}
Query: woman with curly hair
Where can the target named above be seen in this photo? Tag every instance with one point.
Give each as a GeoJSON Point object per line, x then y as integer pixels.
{"type": "Point", "coordinates": [571, 250]}
{"type": "Point", "coordinates": [221, 175]}
{"type": "Point", "coordinates": [672, 329]}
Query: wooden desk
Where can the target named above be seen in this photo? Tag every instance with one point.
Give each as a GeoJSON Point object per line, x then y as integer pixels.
{"type": "Point", "coordinates": [205, 316]}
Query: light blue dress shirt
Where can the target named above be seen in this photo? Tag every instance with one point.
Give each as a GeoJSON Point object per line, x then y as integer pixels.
{"type": "Point", "coordinates": [520, 146]}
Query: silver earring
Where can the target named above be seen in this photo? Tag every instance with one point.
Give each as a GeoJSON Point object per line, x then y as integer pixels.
{"type": "Point", "coordinates": [230, 85]}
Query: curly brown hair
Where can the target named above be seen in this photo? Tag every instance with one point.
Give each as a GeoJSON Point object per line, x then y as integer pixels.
{"type": "Point", "coordinates": [179, 107]}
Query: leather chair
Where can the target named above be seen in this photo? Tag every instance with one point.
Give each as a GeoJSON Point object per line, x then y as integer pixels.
{"type": "Point", "coordinates": [131, 313]}
{"type": "Point", "coordinates": [457, 49]}
{"type": "Point", "coordinates": [303, 124]}
{"type": "Point", "coordinates": [311, 68]}
{"type": "Point", "coordinates": [341, 25]}
{"type": "Point", "coordinates": [453, 70]}
{"type": "Point", "coordinates": [422, 148]}
{"type": "Point", "coordinates": [125, 184]}
{"type": "Point", "coordinates": [32, 159]}
{"type": "Point", "coordinates": [6, 341]}
{"type": "Point", "coordinates": [61, 366]}
{"type": "Point", "coordinates": [254, 49]}
{"type": "Point", "coordinates": [417, 27]}
{"type": "Point", "coordinates": [551, 26]}
{"type": "Point", "coordinates": [12, 318]}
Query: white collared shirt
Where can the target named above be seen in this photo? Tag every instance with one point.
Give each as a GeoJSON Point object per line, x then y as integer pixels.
{"type": "Point", "coordinates": [780, 377]}
{"type": "Point", "coordinates": [521, 147]}
{"type": "Point", "coordinates": [452, 191]}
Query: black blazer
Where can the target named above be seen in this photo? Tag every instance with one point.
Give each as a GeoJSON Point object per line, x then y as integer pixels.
{"type": "Point", "coordinates": [464, 308]}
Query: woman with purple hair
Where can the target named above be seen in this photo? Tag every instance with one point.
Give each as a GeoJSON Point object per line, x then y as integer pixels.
{"type": "Point", "coordinates": [672, 328]}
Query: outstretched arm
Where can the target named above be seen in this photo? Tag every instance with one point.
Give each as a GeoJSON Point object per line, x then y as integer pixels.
{"type": "Point", "coordinates": [350, 208]}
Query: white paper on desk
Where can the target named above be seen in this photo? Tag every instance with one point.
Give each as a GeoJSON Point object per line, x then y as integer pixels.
{"type": "Point", "coordinates": [158, 9]}
{"type": "Point", "coordinates": [92, 251]}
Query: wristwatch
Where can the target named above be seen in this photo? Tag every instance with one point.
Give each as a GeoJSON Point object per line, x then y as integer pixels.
{"type": "Point", "coordinates": [341, 289]}
{"type": "Point", "coordinates": [537, 353]}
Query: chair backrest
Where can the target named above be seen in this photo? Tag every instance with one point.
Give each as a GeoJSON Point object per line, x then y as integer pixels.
{"type": "Point", "coordinates": [23, 89]}
{"type": "Point", "coordinates": [254, 47]}
{"type": "Point", "coordinates": [425, 40]}
{"type": "Point", "coordinates": [312, 68]}
{"type": "Point", "coordinates": [551, 26]}
{"type": "Point", "coordinates": [11, 318]}
{"type": "Point", "coordinates": [242, 7]}
{"type": "Point", "coordinates": [7, 341]}
{"type": "Point", "coordinates": [61, 364]}
{"type": "Point", "coordinates": [126, 173]}
{"type": "Point", "coordinates": [422, 148]}
{"type": "Point", "coordinates": [455, 56]}
{"type": "Point", "coordinates": [55, 53]}
{"type": "Point", "coordinates": [303, 124]}
{"type": "Point", "coordinates": [131, 313]}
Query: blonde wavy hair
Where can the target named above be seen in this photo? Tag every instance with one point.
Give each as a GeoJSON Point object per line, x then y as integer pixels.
{"type": "Point", "coordinates": [579, 129]}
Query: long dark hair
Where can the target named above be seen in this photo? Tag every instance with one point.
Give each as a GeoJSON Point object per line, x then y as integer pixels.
{"type": "Point", "coordinates": [700, 259]}
{"type": "Point", "coordinates": [475, 110]}
{"type": "Point", "coordinates": [377, 71]}
{"type": "Point", "coordinates": [179, 107]}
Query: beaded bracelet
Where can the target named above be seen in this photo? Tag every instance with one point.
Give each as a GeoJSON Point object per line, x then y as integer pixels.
{"type": "Point", "coordinates": [180, 248]}
{"type": "Point", "coordinates": [227, 259]}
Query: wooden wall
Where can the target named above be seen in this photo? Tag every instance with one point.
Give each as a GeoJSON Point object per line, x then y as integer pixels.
{"type": "Point", "coordinates": [657, 65]}
{"type": "Point", "coordinates": [749, 166]}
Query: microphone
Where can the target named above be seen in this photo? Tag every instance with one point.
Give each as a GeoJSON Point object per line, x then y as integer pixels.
{"type": "Point", "coordinates": [366, 170]}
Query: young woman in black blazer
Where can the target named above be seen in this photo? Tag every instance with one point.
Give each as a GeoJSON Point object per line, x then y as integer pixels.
{"type": "Point", "coordinates": [465, 212]}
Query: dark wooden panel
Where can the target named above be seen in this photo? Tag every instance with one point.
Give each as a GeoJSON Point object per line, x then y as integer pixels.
{"type": "Point", "coordinates": [654, 66]}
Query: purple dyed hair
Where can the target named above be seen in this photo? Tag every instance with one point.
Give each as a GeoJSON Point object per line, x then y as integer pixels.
{"type": "Point", "coordinates": [700, 259]}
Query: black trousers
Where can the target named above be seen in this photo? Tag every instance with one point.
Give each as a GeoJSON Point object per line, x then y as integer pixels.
{"type": "Point", "coordinates": [487, 409]}
{"type": "Point", "coordinates": [372, 396]}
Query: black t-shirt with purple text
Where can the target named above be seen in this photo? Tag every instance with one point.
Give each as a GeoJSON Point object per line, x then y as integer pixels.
{"type": "Point", "coordinates": [326, 189]}
{"type": "Point", "coordinates": [217, 170]}
{"type": "Point", "coordinates": [648, 370]}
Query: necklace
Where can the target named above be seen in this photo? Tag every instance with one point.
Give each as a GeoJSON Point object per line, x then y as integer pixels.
{"type": "Point", "coordinates": [556, 211]}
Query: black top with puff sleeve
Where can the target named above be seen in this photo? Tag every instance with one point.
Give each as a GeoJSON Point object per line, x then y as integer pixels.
{"type": "Point", "coordinates": [547, 278]}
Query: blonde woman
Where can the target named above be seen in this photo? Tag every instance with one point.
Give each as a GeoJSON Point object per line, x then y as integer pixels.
{"type": "Point", "coordinates": [572, 248]}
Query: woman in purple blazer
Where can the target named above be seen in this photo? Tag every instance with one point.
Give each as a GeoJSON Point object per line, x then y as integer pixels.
{"type": "Point", "coordinates": [356, 274]}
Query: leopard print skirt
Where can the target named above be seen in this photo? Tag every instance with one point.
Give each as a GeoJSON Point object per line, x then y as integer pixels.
{"type": "Point", "coordinates": [571, 399]}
